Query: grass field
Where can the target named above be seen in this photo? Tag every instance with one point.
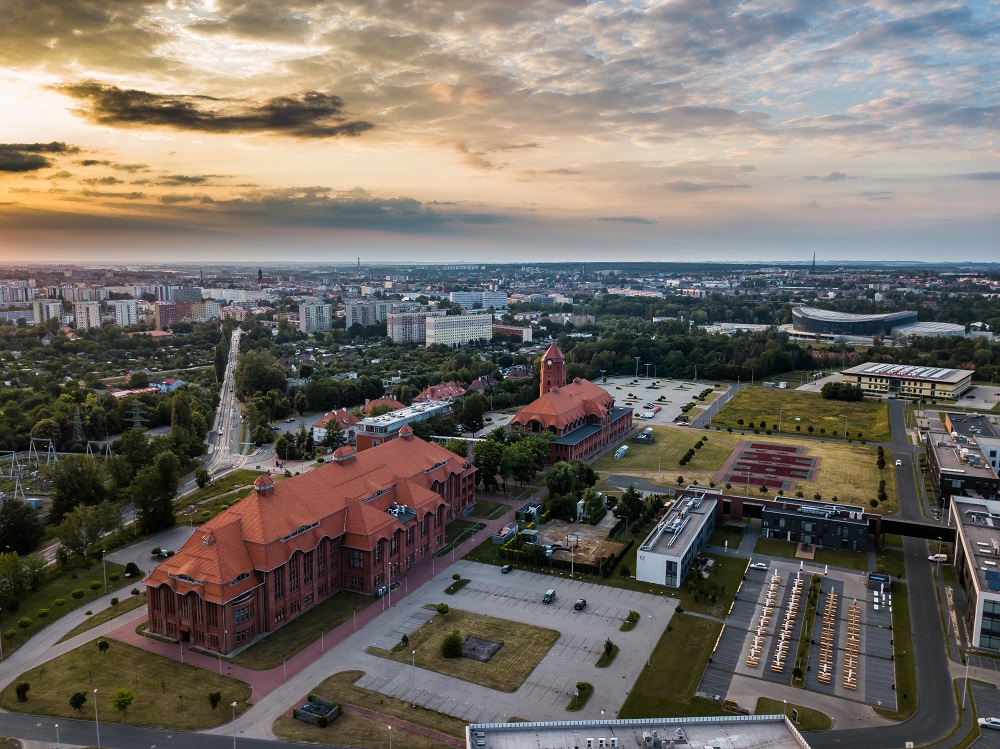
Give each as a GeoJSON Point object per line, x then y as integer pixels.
{"type": "Point", "coordinates": [486, 510]}
{"type": "Point", "coordinates": [106, 615]}
{"type": "Point", "coordinates": [809, 719]}
{"type": "Point", "coordinates": [61, 586]}
{"type": "Point", "coordinates": [524, 646]}
{"type": "Point", "coordinates": [852, 560]}
{"type": "Point", "coordinates": [778, 407]}
{"type": "Point", "coordinates": [168, 694]}
{"type": "Point", "coordinates": [357, 731]}
{"type": "Point", "coordinates": [456, 532]}
{"type": "Point", "coordinates": [302, 631]}
{"type": "Point", "coordinates": [891, 561]}
{"type": "Point", "coordinates": [665, 453]}
{"type": "Point", "coordinates": [666, 687]}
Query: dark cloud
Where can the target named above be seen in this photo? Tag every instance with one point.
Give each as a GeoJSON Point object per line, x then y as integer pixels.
{"type": "Point", "coordinates": [984, 176]}
{"type": "Point", "coordinates": [30, 157]}
{"type": "Point", "coordinates": [177, 180]}
{"type": "Point", "coordinates": [626, 219]}
{"type": "Point", "coordinates": [685, 186]}
{"type": "Point", "coordinates": [103, 181]}
{"type": "Point", "coordinates": [831, 177]}
{"type": "Point", "coordinates": [131, 168]}
{"type": "Point", "coordinates": [174, 199]}
{"type": "Point", "coordinates": [307, 115]}
{"type": "Point", "coordinates": [118, 195]}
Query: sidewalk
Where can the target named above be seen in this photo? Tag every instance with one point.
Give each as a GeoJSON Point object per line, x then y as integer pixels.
{"type": "Point", "coordinates": [264, 683]}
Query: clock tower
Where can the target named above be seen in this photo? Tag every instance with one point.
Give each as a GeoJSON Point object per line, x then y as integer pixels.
{"type": "Point", "coordinates": [553, 370]}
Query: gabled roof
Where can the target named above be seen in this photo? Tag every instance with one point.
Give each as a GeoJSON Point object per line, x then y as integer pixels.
{"type": "Point", "coordinates": [562, 406]}
{"type": "Point", "coordinates": [343, 417]}
{"type": "Point", "coordinates": [367, 408]}
{"type": "Point", "coordinates": [446, 391]}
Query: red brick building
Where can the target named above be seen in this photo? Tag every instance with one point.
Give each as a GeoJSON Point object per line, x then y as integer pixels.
{"type": "Point", "coordinates": [581, 416]}
{"type": "Point", "coordinates": [355, 524]}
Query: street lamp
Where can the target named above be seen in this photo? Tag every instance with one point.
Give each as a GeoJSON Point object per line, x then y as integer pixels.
{"type": "Point", "coordinates": [413, 664]}
{"type": "Point", "coordinates": [637, 367]}
{"type": "Point", "coordinates": [104, 563]}
{"type": "Point", "coordinates": [97, 722]}
{"type": "Point", "coordinates": [234, 725]}
{"type": "Point", "coordinates": [649, 652]}
{"type": "Point", "coordinates": [58, 745]}
{"type": "Point", "coordinates": [390, 737]}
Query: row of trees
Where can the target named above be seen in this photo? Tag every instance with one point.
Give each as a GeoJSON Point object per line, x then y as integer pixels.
{"type": "Point", "coordinates": [507, 456]}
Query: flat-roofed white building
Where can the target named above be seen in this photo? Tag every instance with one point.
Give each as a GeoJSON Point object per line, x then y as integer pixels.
{"type": "Point", "coordinates": [126, 312]}
{"type": "Point", "coordinates": [457, 330]}
{"type": "Point", "coordinates": [669, 551]}
{"type": "Point", "coordinates": [315, 317]}
{"type": "Point", "coordinates": [909, 381]}
{"type": "Point", "coordinates": [87, 315]}
{"type": "Point", "coordinates": [410, 327]}
{"type": "Point", "coordinates": [977, 565]}
{"type": "Point", "coordinates": [46, 309]}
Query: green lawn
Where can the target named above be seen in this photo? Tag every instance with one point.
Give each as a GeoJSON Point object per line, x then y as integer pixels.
{"type": "Point", "coordinates": [363, 732]}
{"type": "Point", "coordinates": [487, 510]}
{"type": "Point", "coordinates": [666, 687]}
{"type": "Point", "coordinates": [806, 633]}
{"type": "Point", "coordinates": [809, 719]}
{"type": "Point", "coordinates": [456, 532]}
{"type": "Point", "coordinates": [168, 694]}
{"type": "Point", "coordinates": [234, 480]}
{"type": "Point", "coordinates": [105, 615]}
{"type": "Point", "coordinates": [722, 533]}
{"type": "Point", "coordinates": [753, 405]}
{"type": "Point", "coordinates": [302, 631]}
{"type": "Point", "coordinates": [61, 585]}
{"type": "Point", "coordinates": [664, 455]}
{"type": "Point", "coordinates": [906, 678]}
{"type": "Point", "coordinates": [891, 561]}
{"type": "Point", "coordinates": [854, 560]}
{"type": "Point", "coordinates": [524, 646]}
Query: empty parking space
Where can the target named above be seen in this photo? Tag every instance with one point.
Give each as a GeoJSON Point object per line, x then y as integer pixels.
{"type": "Point", "coordinates": [987, 705]}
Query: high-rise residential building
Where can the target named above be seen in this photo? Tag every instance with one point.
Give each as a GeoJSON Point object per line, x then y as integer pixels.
{"type": "Point", "coordinates": [87, 315]}
{"type": "Point", "coordinates": [367, 313]}
{"type": "Point", "coordinates": [167, 313]}
{"type": "Point", "coordinates": [410, 327]}
{"type": "Point", "coordinates": [456, 330]}
{"type": "Point", "coordinates": [46, 309]}
{"type": "Point", "coordinates": [186, 294]}
{"type": "Point", "coordinates": [479, 299]}
{"type": "Point", "coordinates": [315, 317]}
{"type": "Point", "coordinates": [126, 312]}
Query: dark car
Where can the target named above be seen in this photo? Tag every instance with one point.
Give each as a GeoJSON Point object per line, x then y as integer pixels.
{"type": "Point", "coordinates": [506, 568]}
{"type": "Point", "coordinates": [580, 604]}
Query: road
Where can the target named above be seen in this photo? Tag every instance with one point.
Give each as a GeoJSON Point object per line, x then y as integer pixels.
{"type": "Point", "coordinates": [224, 445]}
{"type": "Point", "coordinates": [937, 712]}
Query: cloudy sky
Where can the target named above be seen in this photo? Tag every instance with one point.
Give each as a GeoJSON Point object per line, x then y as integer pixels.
{"type": "Point", "coordinates": [513, 129]}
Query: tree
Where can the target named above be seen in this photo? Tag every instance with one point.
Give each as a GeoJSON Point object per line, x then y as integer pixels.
{"type": "Point", "coordinates": [221, 358]}
{"type": "Point", "coordinates": [533, 553]}
{"type": "Point", "coordinates": [78, 700]}
{"type": "Point", "coordinates": [487, 456]}
{"type": "Point", "coordinates": [103, 645]}
{"type": "Point", "coordinates": [34, 570]}
{"type": "Point", "coordinates": [562, 479]}
{"type": "Point", "coordinates": [13, 581]}
{"type": "Point", "coordinates": [21, 690]}
{"type": "Point", "coordinates": [457, 446]}
{"type": "Point", "coordinates": [442, 609]}
{"type": "Point", "coordinates": [202, 477]}
{"type": "Point", "coordinates": [20, 527]}
{"type": "Point", "coordinates": [84, 526]}
{"type": "Point", "coordinates": [609, 647]}
{"type": "Point", "coordinates": [24, 623]}
{"type": "Point", "coordinates": [122, 700]}
{"type": "Point", "coordinates": [76, 480]}
{"type": "Point", "coordinates": [153, 489]}
{"type": "Point", "coordinates": [593, 503]}
{"type": "Point", "coordinates": [258, 371]}
{"type": "Point", "coordinates": [473, 409]}
{"type": "Point", "coordinates": [300, 403]}
{"type": "Point", "coordinates": [138, 380]}
{"type": "Point", "coordinates": [214, 698]}
{"type": "Point", "coordinates": [451, 646]}
{"type": "Point", "coordinates": [333, 436]}
{"type": "Point", "coordinates": [629, 505]}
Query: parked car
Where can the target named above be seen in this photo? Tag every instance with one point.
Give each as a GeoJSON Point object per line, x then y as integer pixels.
{"type": "Point", "coordinates": [993, 723]}
{"type": "Point", "coordinates": [581, 604]}
{"type": "Point", "coordinates": [506, 568]}
{"type": "Point", "coordinates": [549, 597]}
{"type": "Point", "coordinates": [899, 463]}
{"type": "Point", "coordinates": [758, 566]}
{"type": "Point", "coordinates": [289, 421]}
{"type": "Point", "coordinates": [937, 558]}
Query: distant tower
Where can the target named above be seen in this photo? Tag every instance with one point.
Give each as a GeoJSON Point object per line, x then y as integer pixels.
{"type": "Point", "coordinates": [202, 276]}
{"type": "Point", "coordinates": [813, 272]}
{"type": "Point", "coordinates": [260, 276]}
{"type": "Point", "coordinates": [553, 370]}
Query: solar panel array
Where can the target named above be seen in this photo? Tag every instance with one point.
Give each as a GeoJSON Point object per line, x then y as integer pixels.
{"type": "Point", "coordinates": [908, 370]}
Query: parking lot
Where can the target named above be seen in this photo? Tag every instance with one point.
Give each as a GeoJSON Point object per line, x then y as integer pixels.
{"type": "Point", "coordinates": [875, 672]}
{"type": "Point", "coordinates": [517, 596]}
{"type": "Point", "coordinates": [675, 393]}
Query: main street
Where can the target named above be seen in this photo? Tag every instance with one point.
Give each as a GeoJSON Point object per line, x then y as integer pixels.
{"type": "Point", "coordinates": [225, 439]}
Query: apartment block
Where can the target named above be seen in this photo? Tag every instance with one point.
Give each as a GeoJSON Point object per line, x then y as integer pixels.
{"type": "Point", "coordinates": [315, 317]}
{"type": "Point", "coordinates": [87, 315]}
{"type": "Point", "coordinates": [126, 312]}
{"type": "Point", "coordinates": [457, 330]}
{"type": "Point", "coordinates": [410, 327]}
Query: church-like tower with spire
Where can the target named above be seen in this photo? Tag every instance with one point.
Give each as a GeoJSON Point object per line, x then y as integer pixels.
{"type": "Point", "coordinates": [553, 370]}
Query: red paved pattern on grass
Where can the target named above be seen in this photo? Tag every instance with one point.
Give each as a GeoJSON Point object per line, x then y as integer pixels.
{"type": "Point", "coordinates": [763, 464]}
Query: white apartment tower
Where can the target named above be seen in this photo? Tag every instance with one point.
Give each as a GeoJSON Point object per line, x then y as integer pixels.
{"type": "Point", "coordinates": [315, 317]}
{"type": "Point", "coordinates": [457, 330]}
{"type": "Point", "coordinates": [87, 315]}
{"type": "Point", "coordinates": [126, 312]}
{"type": "Point", "coordinates": [46, 309]}
{"type": "Point", "coordinates": [410, 327]}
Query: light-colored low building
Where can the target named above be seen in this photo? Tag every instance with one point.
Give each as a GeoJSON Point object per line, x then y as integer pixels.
{"type": "Point", "coordinates": [730, 731]}
{"type": "Point", "coordinates": [669, 551]}
{"type": "Point", "coordinates": [909, 381]}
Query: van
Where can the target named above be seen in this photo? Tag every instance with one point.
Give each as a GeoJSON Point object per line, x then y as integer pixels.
{"type": "Point", "coordinates": [549, 597]}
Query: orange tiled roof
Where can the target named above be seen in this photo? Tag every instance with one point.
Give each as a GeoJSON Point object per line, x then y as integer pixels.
{"type": "Point", "coordinates": [564, 405]}
{"type": "Point", "coordinates": [350, 496]}
{"type": "Point", "coordinates": [345, 418]}
{"type": "Point", "coordinates": [443, 392]}
{"type": "Point", "coordinates": [396, 405]}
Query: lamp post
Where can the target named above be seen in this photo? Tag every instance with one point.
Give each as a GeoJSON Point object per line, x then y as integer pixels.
{"type": "Point", "coordinates": [284, 673]}
{"type": "Point", "coordinates": [649, 652]}
{"type": "Point", "coordinates": [104, 564]}
{"type": "Point", "coordinates": [59, 746]}
{"type": "Point", "coordinates": [390, 737]}
{"type": "Point", "coordinates": [234, 725]}
{"type": "Point", "coordinates": [637, 367]}
{"type": "Point", "coordinates": [97, 722]}
{"type": "Point", "coordinates": [413, 664]}
{"type": "Point", "coordinates": [647, 366]}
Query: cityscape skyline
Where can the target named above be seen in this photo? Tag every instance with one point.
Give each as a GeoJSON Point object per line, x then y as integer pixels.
{"type": "Point", "coordinates": [395, 131]}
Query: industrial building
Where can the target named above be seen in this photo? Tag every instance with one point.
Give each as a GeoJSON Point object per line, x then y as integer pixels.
{"type": "Point", "coordinates": [669, 551]}
{"type": "Point", "coordinates": [977, 565]}
{"type": "Point", "coordinates": [909, 381]}
{"type": "Point", "coordinates": [730, 731]}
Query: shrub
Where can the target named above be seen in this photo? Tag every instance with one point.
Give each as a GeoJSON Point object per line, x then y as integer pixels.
{"type": "Point", "coordinates": [103, 646]}
{"type": "Point", "coordinates": [88, 612]}
{"type": "Point", "coordinates": [405, 639]}
{"type": "Point", "coordinates": [456, 576]}
{"type": "Point", "coordinates": [114, 601]}
{"type": "Point", "coordinates": [43, 614]}
{"type": "Point", "coordinates": [170, 553]}
{"type": "Point", "coordinates": [78, 700]}
{"type": "Point", "coordinates": [96, 585]}
{"type": "Point", "coordinates": [131, 569]}
{"type": "Point", "coordinates": [135, 591]}
{"type": "Point", "coordinates": [156, 551]}
{"type": "Point", "coordinates": [60, 602]}
{"type": "Point", "coordinates": [451, 646]}
{"type": "Point", "coordinates": [608, 646]}
{"type": "Point", "coordinates": [114, 577]}
{"type": "Point", "coordinates": [78, 593]}
{"type": "Point", "coordinates": [21, 690]}
{"type": "Point", "coordinates": [442, 609]}
{"type": "Point", "coordinates": [214, 698]}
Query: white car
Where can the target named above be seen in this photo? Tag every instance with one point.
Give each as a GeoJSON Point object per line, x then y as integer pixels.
{"type": "Point", "coordinates": [993, 723]}
{"type": "Point", "coordinates": [937, 558]}
{"type": "Point", "coordinates": [899, 463]}
{"type": "Point", "coordinates": [758, 566]}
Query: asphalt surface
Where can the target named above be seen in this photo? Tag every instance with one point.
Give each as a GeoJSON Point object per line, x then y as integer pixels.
{"type": "Point", "coordinates": [937, 712]}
